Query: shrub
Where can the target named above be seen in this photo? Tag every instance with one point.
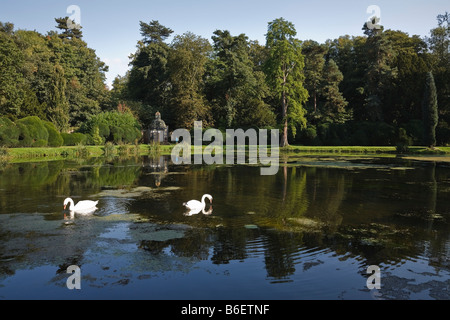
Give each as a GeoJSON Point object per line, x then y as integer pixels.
{"type": "Point", "coordinates": [36, 132]}
{"type": "Point", "coordinates": [73, 139]}
{"type": "Point", "coordinates": [25, 139]}
{"type": "Point", "coordinates": [94, 138]}
{"type": "Point", "coordinates": [117, 134]}
{"type": "Point", "coordinates": [54, 137]}
{"type": "Point", "coordinates": [308, 136]}
{"type": "Point", "coordinates": [131, 134]}
{"type": "Point", "coordinates": [113, 127]}
{"type": "Point", "coordinates": [9, 133]}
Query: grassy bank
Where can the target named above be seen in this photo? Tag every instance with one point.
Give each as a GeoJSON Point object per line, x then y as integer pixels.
{"type": "Point", "coordinates": [48, 153]}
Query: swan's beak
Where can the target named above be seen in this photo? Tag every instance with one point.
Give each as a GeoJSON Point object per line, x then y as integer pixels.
{"type": "Point", "coordinates": [65, 207]}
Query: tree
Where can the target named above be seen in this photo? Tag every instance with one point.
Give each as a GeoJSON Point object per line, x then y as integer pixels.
{"type": "Point", "coordinates": [439, 44]}
{"type": "Point", "coordinates": [430, 111]}
{"type": "Point", "coordinates": [323, 77]}
{"type": "Point", "coordinates": [70, 30]}
{"type": "Point", "coordinates": [58, 107]}
{"type": "Point", "coordinates": [11, 78]}
{"type": "Point", "coordinates": [334, 103]}
{"type": "Point", "coordinates": [284, 71]}
{"type": "Point", "coordinates": [235, 85]}
{"type": "Point", "coordinates": [154, 32]}
{"type": "Point", "coordinates": [349, 53]}
{"type": "Point", "coordinates": [186, 68]}
{"type": "Point", "coordinates": [148, 81]}
{"type": "Point", "coordinates": [380, 72]}
{"type": "Point", "coordinates": [314, 63]}
{"type": "Point", "coordinates": [113, 126]}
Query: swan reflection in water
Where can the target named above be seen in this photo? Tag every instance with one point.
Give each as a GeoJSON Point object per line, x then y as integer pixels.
{"type": "Point", "coordinates": [197, 211]}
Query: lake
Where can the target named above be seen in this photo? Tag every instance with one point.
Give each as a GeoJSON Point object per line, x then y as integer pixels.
{"type": "Point", "coordinates": [309, 232]}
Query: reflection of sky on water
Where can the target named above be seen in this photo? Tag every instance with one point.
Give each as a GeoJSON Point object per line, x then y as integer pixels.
{"type": "Point", "coordinates": [308, 233]}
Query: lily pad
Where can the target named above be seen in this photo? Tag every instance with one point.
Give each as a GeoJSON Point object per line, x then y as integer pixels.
{"type": "Point", "coordinates": [133, 192]}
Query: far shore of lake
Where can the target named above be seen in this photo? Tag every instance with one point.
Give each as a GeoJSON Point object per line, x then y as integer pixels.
{"type": "Point", "coordinates": [67, 152]}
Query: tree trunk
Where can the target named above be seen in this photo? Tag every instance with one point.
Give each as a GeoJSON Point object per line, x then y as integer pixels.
{"type": "Point", "coordinates": [315, 102]}
{"type": "Point", "coordinates": [284, 138]}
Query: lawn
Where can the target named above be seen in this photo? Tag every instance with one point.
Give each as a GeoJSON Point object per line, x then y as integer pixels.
{"type": "Point", "coordinates": [48, 153]}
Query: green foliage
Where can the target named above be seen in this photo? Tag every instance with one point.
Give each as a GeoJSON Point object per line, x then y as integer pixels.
{"type": "Point", "coordinates": [95, 137]}
{"type": "Point", "coordinates": [11, 80]}
{"type": "Point", "coordinates": [148, 77]}
{"type": "Point", "coordinates": [351, 90]}
{"type": "Point", "coordinates": [235, 85]}
{"type": "Point", "coordinates": [113, 127]}
{"type": "Point", "coordinates": [54, 137]}
{"type": "Point", "coordinates": [9, 133]}
{"type": "Point", "coordinates": [430, 111]}
{"type": "Point", "coordinates": [186, 67]}
{"type": "Point", "coordinates": [349, 133]}
{"type": "Point", "coordinates": [69, 32]}
{"type": "Point", "coordinates": [73, 139]}
{"type": "Point", "coordinates": [285, 74]}
{"type": "Point", "coordinates": [55, 77]}
{"type": "Point", "coordinates": [33, 132]}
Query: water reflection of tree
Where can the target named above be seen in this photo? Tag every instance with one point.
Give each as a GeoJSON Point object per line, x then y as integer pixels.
{"type": "Point", "coordinates": [280, 253]}
{"type": "Point", "coordinates": [270, 202]}
{"type": "Point", "coordinates": [45, 183]}
{"type": "Point", "coordinates": [230, 244]}
{"type": "Point", "coordinates": [27, 181]}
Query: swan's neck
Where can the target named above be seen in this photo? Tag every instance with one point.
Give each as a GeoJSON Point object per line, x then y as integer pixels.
{"type": "Point", "coordinates": [203, 200]}
{"type": "Point", "coordinates": [71, 205]}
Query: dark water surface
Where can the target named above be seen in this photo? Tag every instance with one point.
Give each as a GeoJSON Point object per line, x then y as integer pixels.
{"type": "Point", "coordinates": [309, 232]}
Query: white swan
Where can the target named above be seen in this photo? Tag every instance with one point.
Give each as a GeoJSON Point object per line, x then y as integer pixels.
{"type": "Point", "coordinates": [85, 206]}
{"type": "Point", "coordinates": [195, 205]}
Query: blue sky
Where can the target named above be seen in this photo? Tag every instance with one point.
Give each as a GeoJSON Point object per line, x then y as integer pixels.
{"type": "Point", "coordinates": [112, 27]}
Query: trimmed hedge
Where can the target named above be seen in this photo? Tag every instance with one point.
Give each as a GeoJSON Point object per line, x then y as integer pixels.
{"type": "Point", "coordinates": [9, 133]}
{"type": "Point", "coordinates": [54, 137]}
{"type": "Point", "coordinates": [73, 139]}
{"type": "Point", "coordinates": [112, 127]}
{"type": "Point", "coordinates": [33, 132]}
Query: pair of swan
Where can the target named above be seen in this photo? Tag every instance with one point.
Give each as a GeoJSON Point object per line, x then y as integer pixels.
{"type": "Point", "coordinates": [195, 206]}
{"type": "Point", "coordinates": [89, 206]}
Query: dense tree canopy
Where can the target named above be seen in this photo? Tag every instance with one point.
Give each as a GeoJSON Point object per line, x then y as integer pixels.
{"type": "Point", "coordinates": [372, 88]}
{"type": "Point", "coordinates": [55, 76]}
